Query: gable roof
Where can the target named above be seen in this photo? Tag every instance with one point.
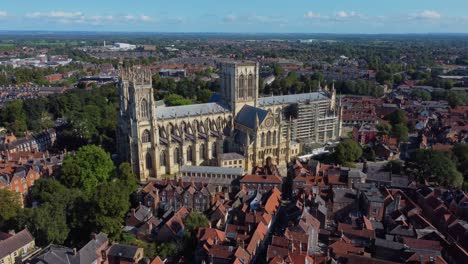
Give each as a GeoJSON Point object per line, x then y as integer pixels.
{"type": "Point", "coordinates": [88, 252]}
{"type": "Point", "coordinates": [15, 242]}
{"type": "Point", "coordinates": [248, 114]}
{"type": "Point", "coordinates": [123, 251]}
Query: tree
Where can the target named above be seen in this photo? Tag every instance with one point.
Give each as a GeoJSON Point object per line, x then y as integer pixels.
{"type": "Point", "coordinates": [435, 166]}
{"type": "Point", "coordinates": [127, 177]}
{"type": "Point", "coordinates": [175, 99]}
{"type": "Point", "coordinates": [369, 153]}
{"type": "Point", "coordinates": [90, 166]}
{"type": "Point", "coordinates": [109, 205]}
{"type": "Point", "coordinates": [165, 250]}
{"type": "Point", "coordinates": [384, 128]}
{"type": "Point", "coordinates": [10, 205]}
{"type": "Point", "coordinates": [277, 70]}
{"type": "Point", "coordinates": [400, 131]}
{"type": "Point", "coordinates": [13, 117]}
{"type": "Point", "coordinates": [204, 95]}
{"type": "Point", "coordinates": [397, 117]}
{"type": "Point", "coordinates": [47, 223]}
{"type": "Point", "coordinates": [347, 151]}
{"type": "Point", "coordinates": [195, 220]}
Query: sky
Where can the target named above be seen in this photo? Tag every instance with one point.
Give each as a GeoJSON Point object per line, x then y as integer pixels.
{"type": "Point", "coordinates": [243, 16]}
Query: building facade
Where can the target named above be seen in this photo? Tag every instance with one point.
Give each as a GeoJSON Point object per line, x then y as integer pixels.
{"type": "Point", "coordinates": [159, 140]}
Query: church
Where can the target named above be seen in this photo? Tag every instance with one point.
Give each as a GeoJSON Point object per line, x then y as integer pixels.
{"type": "Point", "coordinates": [237, 129]}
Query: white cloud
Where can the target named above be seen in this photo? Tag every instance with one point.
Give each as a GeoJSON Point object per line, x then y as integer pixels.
{"type": "Point", "coordinates": [3, 13]}
{"type": "Point", "coordinates": [348, 14]}
{"type": "Point", "coordinates": [146, 18]}
{"type": "Point", "coordinates": [428, 14]}
{"type": "Point", "coordinates": [56, 14]}
{"type": "Point", "coordinates": [80, 18]}
{"type": "Point", "coordinates": [311, 14]}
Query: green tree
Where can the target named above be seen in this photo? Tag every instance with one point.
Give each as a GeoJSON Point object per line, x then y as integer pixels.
{"type": "Point", "coordinates": [384, 128]}
{"type": "Point", "coordinates": [85, 170]}
{"type": "Point", "coordinates": [127, 177]}
{"type": "Point", "coordinates": [10, 205]}
{"type": "Point", "coordinates": [195, 220]}
{"type": "Point", "coordinates": [204, 95]}
{"type": "Point", "coordinates": [347, 151]}
{"type": "Point", "coordinates": [435, 166]}
{"type": "Point", "coordinates": [400, 131]}
{"type": "Point", "coordinates": [13, 117]}
{"type": "Point", "coordinates": [277, 70]}
{"type": "Point", "coordinates": [47, 223]}
{"type": "Point", "coordinates": [175, 99]}
{"type": "Point", "coordinates": [165, 250]}
{"type": "Point", "coordinates": [397, 117]}
{"type": "Point", "coordinates": [109, 205]}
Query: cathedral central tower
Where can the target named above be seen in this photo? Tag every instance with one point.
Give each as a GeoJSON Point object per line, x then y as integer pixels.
{"type": "Point", "coordinates": [239, 84]}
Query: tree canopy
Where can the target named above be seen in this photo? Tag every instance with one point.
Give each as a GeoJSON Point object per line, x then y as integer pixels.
{"type": "Point", "coordinates": [435, 166]}
{"type": "Point", "coordinates": [86, 169]}
{"type": "Point", "coordinates": [9, 205]}
{"type": "Point", "coordinates": [347, 151]}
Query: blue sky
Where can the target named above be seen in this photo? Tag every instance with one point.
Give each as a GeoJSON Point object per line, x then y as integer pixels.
{"type": "Point", "coordinates": [282, 16]}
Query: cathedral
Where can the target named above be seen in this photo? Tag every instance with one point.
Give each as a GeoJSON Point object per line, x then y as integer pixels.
{"type": "Point", "coordinates": [237, 129]}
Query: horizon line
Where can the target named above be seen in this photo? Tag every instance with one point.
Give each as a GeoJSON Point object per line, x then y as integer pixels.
{"type": "Point", "coordinates": [226, 32]}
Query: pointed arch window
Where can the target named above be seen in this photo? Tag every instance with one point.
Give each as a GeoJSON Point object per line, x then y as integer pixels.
{"type": "Point", "coordinates": [214, 151]}
{"type": "Point", "coordinates": [146, 136]}
{"type": "Point", "coordinates": [251, 86]}
{"type": "Point", "coordinates": [274, 137]}
{"type": "Point", "coordinates": [144, 111]}
{"type": "Point", "coordinates": [149, 161]}
{"type": "Point", "coordinates": [241, 86]}
{"type": "Point", "coordinates": [162, 158]}
{"type": "Point", "coordinates": [263, 140]}
{"type": "Point", "coordinates": [268, 139]}
{"type": "Point", "coordinates": [202, 151]}
{"type": "Point", "coordinates": [177, 158]}
{"type": "Point", "coordinates": [189, 153]}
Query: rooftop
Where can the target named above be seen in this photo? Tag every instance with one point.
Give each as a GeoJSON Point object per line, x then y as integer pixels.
{"type": "Point", "coordinates": [171, 112]}
{"type": "Point", "coordinates": [291, 98]}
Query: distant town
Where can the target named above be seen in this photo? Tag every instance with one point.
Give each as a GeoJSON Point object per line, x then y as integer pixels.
{"type": "Point", "coordinates": [233, 149]}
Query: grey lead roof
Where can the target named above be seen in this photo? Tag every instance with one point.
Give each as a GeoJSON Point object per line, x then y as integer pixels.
{"type": "Point", "coordinates": [231, 156]}
{"type": "Point", "coordinates": [190, 110]}
{"type": "Point", "coordinates": [212, 170]}
{"type": "Point", "coordinates": [291, 98]}
{"type": "Point", "coordinates": [248, 114]}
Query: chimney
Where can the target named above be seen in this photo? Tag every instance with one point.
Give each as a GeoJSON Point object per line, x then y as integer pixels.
{"type": "Point", "coordinates": [93, 236]}
{"type": "Point", "coordinates": [74, 252]}
{"type": "Point", "coordinates": [12, 232]}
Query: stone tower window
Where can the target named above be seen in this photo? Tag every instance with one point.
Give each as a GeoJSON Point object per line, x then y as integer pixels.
{"type": "Point", "coordinates": [214, 151]}
{"type": "Point", "coordinates": [162, 158]}
{"type": "Point", "coordinates": [241, 86]}
{"type": "Point", "coordinates": [144, 111]}
{"type": "Point", "coordinates": [146, 136]}
{"type": "Point", "coordinates": [149, 161]}
{"type": "Point", "coordinates": [251, 86]}
{"type": "Point", "coordinates": [189, 153]}
{"type": "Point", "coordinates": [177, 155]}
{"type": "Point", "coordinates": [268, 140]}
